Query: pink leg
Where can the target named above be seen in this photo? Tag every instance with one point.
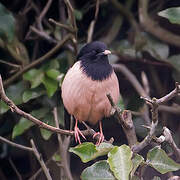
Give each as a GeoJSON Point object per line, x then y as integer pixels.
{"type": "Point", "coordinates": [77, 132]}
{"type": "Point", "coordinates": [101, 136]}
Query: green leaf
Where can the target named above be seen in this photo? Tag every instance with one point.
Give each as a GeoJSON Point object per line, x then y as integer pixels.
{"type": "Point", "coordinates": [159, 160]}
{"type": "Point", "coordinates": [52, 64]}
{"type": "Point", "coordinates": [88, 151]}
{"type": "Point", "coordinates": [32, 94]}
{"type": "Point", "coordinates": [119, 159]}
{"type": "Point", "coordinates": [175, 61]}
{"type": "Point", "coordinates": [34, 76]}
{"type": "Point", "coordinates": [21, 127]}
{"type": "Point", "coordinates": [156, 48]}
{"type": "Point", "coordinates": [140, 130]}
{"type": "Point", "coordinates": [7, 24]}
{"type": "Point", "coordinates": [56, 157]}
{"type": "Point", "coordinates": [3, 107]}
{"type": "Point", "coordinates": [137, 160]}
{"type": "Point", "coordinates": [78, 14]}
{"type": "Point", "coordinates": [52, 73]}
{"type": "Point", "coordinates": [172, 14]}
{"type": "Point", "coordinates": [14, 92]}
{"type": "Point", "coordinates": [40, 113]}
{"type": "Point", "coordinates": [121, 103]}
{"type": "Point", "coordinates": [51, 85]}
{"type": "Point", "coordinates": [48, 119]}
{"type": "Point", "coordinates": [45, 134]}
{"type": "Point", "coordinates": [98, 171]}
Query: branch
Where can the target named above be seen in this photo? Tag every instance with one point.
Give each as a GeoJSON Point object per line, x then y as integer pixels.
{"type": "Point", "coordinates": [154, 103]}
{"type": "Point", "coordinates": [125, 119]}
{"type": "Point", "coordinates": [93, 22]}
{"type": "Point", "coordinates": [175, 92]}
{"type": "Point", "coordinates": [14, 108]}
{"type": "Point", "coordinates": [125, 11]}
{"type": "Point", "coordinates": [63, 149]}
{"type": "Point", "coordinates": [66, 27]}
{"type": "Point", "coordinates": [170, 109]}
{"type": "Point", "coordinates": [131, 77]}
{"type": "Point", "coordinates": [43, 35]}
{"type": "Point", "coordinates": [41, 162]}
{"type": "Point", "coordinates": [169, 139]}
{"type": "Point", "coordinates": [41, 124]}
{"type": "Point", "coordinates": [71, 16]}
{"type": "Point", "coordinates": [15, 144]}
{"type": "Point", "coordinates": [152, 26]}
{"type": "Point", "coordinates": [37, 61]}
{"type": "Point", "coordinates": [138, 147]}
{"type": "Point", "coordinates": [44, 11]}
{"type": "Point", "coordinates": [15, 169]}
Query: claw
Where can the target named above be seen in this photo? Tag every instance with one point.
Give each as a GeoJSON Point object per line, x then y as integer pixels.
{"type": "Point", "coordinates": [100, 134]}
{"type": "Point", "coordinates": [77, 132]}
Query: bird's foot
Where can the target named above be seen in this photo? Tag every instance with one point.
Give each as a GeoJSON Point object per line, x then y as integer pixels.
{"type": "Point", "coordinates": [100, 139]}
{"type": "Point", "coordinates": [77, 132]}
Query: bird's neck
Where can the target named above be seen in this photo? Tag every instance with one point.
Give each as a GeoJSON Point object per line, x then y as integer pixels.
{"type": "Point", "coordinates": [97, 71]}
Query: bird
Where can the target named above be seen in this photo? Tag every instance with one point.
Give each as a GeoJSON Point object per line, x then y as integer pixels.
{"type": "Point", "coordinates": [86, 85]}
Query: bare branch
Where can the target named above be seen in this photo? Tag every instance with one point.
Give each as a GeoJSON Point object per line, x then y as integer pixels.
{"type": "Point", "coordinates": [125, 119]}
{"type": "Point", "coordinates": [44, 11]}
{"type": "Point", "coordinates": [14, 108]}
{"type": "Point", "coordinates": [67, 27]}
{"type": "Point", "coordinates": [37, 61]}
{"type": "Point", "coordinates": [33, 177]}
{"type": "Point", "coordinates": [169, 139]}
{"type": "Point", "coordinates": [170, 109]}
{"type": "Point", "coordinates": [152, 26]}
{"type": "Point", "coordinates": [43, 35]}
{"type": "Point", "coordinates": [2, 139]}
{"type": "Point", "coordinates": [93, 22]}
{"type": "Point", "coordinates": [15, 169]}
{"type": "Point", "coordinates": [125, 11]}
{"type": "Point", "coordinates": [63, 146]}
{"type": "Point", "coordinates": [175, 92]}
{"type": "Point", "coordinates": [138, 147]}
{"type": "Point", "coordinates": [131, 77]}
{"type": "Point", "coordinates": [41, 162]}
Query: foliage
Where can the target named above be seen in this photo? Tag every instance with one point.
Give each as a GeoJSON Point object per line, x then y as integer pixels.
{"type": "Point", "coordinates": [120, 161]}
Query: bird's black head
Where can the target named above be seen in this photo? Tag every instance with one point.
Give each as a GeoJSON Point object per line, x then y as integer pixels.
{"type": "Point", "coordinates": [94, 60]}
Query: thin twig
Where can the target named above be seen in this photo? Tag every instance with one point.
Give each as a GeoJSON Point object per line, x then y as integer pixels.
{"type": "Point", "coordinates": [125, 119]}
{"type": "Point", "coordinates": [63, 146]}
{"type": "Point", "coordinates": [170, 109]}
{"type": "Point", "coordinates": [41, 162]}
{"type": "Point", "coordinates": [67, 27]}
{"type": "Point", "coordinates": [153, 27]}
{"type": "Point", "coordinates": [125, 11]}
{"type": "Point", "coordinates": [28, 116]}
{"type": "Point", "coordinates": [15, 169]}
{"type": "Point", "coordinates": [131, 77]}
{"type": "Point", "coordinates": [169, 96]}
{"type": "Point", "coordinates": [10, 64]}
{"type": "Point", "coordinates": [93, 22]}
{"type": "Point", "coordinates": [71, 16]}
{"type": "Point", "coordinates": [33, 177]}
{"type": "Point", "coordinates": [37, 61]}
{"type": "Point", "coordinates": [169, 139]}
{"type": "Point", "coordinates": [154, 111]}
{"type": "Point", "coordinates": [43, 35]}
{"type": "Point", "coordinates": [2, 139]}
{"type": "Point", "coordinates": [44, 11]}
